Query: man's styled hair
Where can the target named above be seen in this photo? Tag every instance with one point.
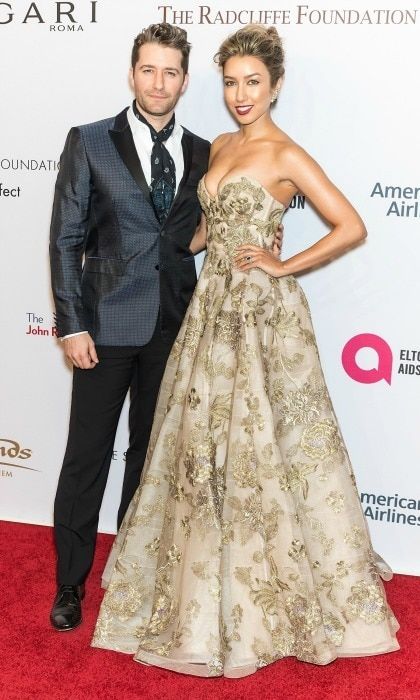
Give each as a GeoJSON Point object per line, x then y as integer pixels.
{"type": "Point", "coordinates": [166, 35]}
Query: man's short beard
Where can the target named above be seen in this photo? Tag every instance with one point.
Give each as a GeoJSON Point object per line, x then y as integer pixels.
{"type": "Point", "coordinates": [156, 114]}
{"type": "Point", "coordinates": [168, 110]}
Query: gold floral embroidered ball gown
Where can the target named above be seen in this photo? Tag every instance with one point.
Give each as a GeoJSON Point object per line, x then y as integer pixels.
{"type": "Point", "coordinates": [245, 542]}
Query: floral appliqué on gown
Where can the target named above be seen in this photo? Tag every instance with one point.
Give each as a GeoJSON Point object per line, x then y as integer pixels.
{"type": "Point", "coordinates": [246, 541]}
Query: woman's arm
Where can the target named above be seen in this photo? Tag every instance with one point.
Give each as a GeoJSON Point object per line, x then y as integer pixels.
{"type": "Point", "coordinates": [198, 242]}
{"type": "Point", "coordinates": [347, 227]}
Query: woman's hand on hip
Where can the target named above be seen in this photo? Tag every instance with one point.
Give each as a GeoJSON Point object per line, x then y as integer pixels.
{"type": "Point", "coordinates": [250, 256]}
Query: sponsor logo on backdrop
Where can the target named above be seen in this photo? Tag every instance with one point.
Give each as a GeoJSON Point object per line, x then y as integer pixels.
{"type": "Point", "coordinates": [14, 456]}
{"type": "Point", "coordinates": [391, 509]}
{"type": "Point", "coordinates": [7, 190]}
{"type": "Point", "coordinates": [295, 14]}
{"type": "Point", "coordinates": [298, 202]}
{"type": "Point", "coordinates": [116, 457]}
{"type": "Point", "coordinates": [382, 369]}
{"type": "Point", "coordinates": [401, 201]}
{"type": "Point", "coordinates": [57, 16]}
{"type": "Point", "coordinates": [37, 325]}
{"type": "Point", "coordinates": [29, 165]}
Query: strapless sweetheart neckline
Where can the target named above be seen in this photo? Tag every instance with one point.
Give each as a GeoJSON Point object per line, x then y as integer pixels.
{"type": "Point", "coordinates": [234, 178]}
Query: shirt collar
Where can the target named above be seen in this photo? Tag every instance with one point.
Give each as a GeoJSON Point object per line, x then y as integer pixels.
{"type": "Point", "coordinates": [140, 128]}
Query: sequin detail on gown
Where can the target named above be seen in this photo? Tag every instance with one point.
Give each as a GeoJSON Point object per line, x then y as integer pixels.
{"type": "Point", "coordinates": [246, 541]}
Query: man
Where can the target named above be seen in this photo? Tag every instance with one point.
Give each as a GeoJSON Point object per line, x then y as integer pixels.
{"type": "Point", "coordinates": [126, 201]}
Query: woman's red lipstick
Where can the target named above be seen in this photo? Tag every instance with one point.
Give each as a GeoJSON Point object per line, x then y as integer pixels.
{"type": "Point", "coordinates": [244, 109]}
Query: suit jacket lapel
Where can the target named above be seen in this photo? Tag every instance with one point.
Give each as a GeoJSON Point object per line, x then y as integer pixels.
{"type": "Point", "coordinates": [187, 150]}
{"type": "Point", "coordinates": [124, 143]}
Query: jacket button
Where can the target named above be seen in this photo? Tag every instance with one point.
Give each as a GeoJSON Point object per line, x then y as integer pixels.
{"type": "Point", "coordinates": [156, 267]}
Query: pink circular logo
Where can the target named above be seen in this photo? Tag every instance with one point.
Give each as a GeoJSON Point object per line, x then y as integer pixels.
{"type": "Point", "coordinates": [383, 370]}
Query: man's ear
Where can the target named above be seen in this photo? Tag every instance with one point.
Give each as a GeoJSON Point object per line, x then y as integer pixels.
{"type": "Point", "coordinates": [131, 78]}
{"type": "Point", "coordinates": [185, 83]}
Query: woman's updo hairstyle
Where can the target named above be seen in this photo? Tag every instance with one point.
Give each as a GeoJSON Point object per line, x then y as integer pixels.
{"type": "Point", "coordinates": [255, 40]}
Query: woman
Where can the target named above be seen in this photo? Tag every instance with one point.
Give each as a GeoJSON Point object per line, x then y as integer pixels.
{"type": "Point", "coordinates": [246, 540]}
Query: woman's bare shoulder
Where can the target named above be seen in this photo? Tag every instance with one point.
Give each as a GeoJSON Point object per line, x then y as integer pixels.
{"type": "Point", "coordinates": [222, 137]}
{"type": "Point", "coordinates": [290, 151]}
{"type": "Point", "coordinates": [220, 142]}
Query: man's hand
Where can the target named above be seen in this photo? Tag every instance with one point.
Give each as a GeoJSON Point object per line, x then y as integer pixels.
{"type": "Point", "coordinates": [278, 241]}
{"type": "Point", "coordinates": [80, 350]}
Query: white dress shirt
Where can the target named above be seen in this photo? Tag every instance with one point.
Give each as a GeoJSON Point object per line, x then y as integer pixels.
{"type": "Point", "coordinates": [144, 144]}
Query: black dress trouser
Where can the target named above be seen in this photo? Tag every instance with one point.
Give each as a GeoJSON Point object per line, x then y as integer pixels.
{"type": "Point", "coordinates": [97, 399]}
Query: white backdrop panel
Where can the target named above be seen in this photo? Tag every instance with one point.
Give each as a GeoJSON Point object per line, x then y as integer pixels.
{"type": "Point", "coordinates": [350, 98]}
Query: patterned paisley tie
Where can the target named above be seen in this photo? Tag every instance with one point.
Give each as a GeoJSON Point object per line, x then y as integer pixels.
{"type": "Point", "coordinates": [162, 186]}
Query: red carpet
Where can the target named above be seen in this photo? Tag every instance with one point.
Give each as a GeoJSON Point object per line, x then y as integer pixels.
{"type": "Point", "coordinates": [38, 663]}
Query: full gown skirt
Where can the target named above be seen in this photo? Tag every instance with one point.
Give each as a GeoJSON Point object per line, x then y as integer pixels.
{"type": "Point", "coordinates": [245, 541]}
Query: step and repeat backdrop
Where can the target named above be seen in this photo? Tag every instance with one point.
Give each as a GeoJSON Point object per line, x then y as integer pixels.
{"type": "Point", "coordinates": [351, 98]}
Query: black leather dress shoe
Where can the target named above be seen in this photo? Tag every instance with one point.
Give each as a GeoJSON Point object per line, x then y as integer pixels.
{"type": "Point", "coordinates": [66, 613]}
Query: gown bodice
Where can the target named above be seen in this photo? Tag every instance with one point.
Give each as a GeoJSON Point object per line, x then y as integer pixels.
{"type": "Point", "coordinates": [242, 211]}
